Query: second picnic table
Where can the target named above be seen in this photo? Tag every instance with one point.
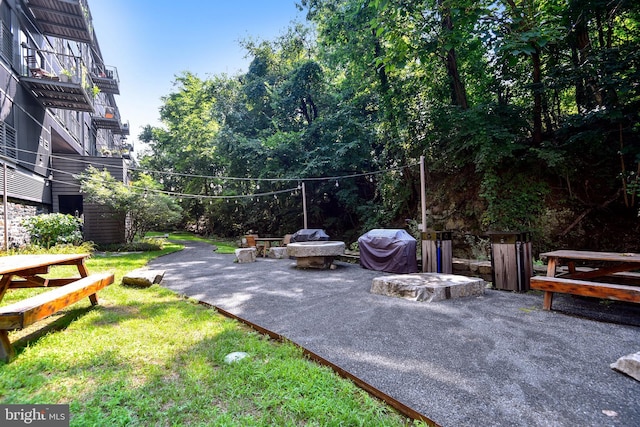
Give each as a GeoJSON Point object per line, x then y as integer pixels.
{"type": "Point", "coordinates": [589, 282]}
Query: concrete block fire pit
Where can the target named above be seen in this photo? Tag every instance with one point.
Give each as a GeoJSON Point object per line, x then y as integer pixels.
{"type": "Point", "coordinates": [318, 254]}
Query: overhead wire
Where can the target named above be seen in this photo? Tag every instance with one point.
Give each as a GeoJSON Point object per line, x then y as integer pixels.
{"type": "Point", "coordinates": [207, 177]}
{"type": "Point", "coordinates": [234, 178]}
{"type": "Point", "coordinates": [54, 171]}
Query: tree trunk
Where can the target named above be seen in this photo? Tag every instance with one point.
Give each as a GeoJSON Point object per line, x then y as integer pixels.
{"type": "Point", "coordinates": [591, 96]}
{"type": "Point", "coordinates": [537, 98]}
{"type": "Point", "coordinates": [385, 88]}
{"type": "Point", "coordinates": [458, 92]}
{"type": "Point", "coordinates": [581, 92]}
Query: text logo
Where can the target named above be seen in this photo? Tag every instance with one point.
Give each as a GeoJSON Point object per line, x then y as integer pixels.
{"type": "Point", "coordinates": [34, 415]}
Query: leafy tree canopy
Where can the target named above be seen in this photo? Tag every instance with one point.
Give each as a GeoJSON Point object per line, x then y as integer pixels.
{"type": "Point", "coordinates": [517, 105]}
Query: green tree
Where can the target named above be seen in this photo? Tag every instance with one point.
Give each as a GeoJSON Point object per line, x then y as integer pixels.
{"type": "Point", "coordinates": [141, 203]}
{"type": "Point", "coordinates": [511, 102]}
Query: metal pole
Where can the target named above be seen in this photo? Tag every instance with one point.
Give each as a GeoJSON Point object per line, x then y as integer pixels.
{"type": "Point", "coordinates": [304, 206]}
{"type": "Point", "coordinates": [5, 206]}
{"type": "Point", "coordinates": [423, 190]}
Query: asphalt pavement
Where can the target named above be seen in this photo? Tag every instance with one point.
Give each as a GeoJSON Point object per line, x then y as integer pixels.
{"type": "Point", "coordinates": [491, 360]}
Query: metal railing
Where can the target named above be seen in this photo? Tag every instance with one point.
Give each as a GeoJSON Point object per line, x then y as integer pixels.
{"type": "Point", "coordinates": [46, 64]}
{"type": "Point", "coordinates": [106, 111]}
{"type": "Point", "coordinates": [105, 72]}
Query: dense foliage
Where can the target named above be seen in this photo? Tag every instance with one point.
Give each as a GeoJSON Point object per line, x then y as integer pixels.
{"type": "Point", "coordinates": [526, 112]}
{"type": "Point", "coordinates": [53, 229]}
{"type": "Point", "coordinates": [141, 203]}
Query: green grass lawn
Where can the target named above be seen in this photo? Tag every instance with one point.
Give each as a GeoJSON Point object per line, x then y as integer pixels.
{"type": "Point", "coordinates": [148, 357]}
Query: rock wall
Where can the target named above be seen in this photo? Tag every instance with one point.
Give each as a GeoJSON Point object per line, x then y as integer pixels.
{"type": "Point", "coordinates": [17, 234]}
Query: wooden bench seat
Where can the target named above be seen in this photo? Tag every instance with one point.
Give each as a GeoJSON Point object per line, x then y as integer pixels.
{"type": "Point", "coordinates": [23, 313]}
{"type": "Point", "coordinates": [584, 288]}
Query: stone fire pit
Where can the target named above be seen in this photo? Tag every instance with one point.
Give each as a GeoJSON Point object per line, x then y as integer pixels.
{"type": "Point", "coordinates": [428, 287]}
{"type": "Point", "coordinates": [317, 254]}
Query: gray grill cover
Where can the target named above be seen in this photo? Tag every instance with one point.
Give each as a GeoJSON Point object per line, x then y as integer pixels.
{"type": "Point", "coordinates": [392, 251]}
{"type": "Point", "coordinates": [309, 235]}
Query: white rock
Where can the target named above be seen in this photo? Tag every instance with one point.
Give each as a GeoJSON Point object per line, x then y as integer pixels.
{"type": "Point", "coordinates": [235, 356]}
{"type": "Point", "coordinates": [629, 364]}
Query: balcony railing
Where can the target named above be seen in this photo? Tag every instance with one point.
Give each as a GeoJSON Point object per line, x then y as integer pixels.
{"type": "Point", "coordinates": [66, 19]}
{"type": "Point", "coordinates": [115, 148]}
{"type": "Point", "coordinates": [106, 117]}
{"type": "Point", "coordinates": [57, 80]}
{"type": "Point", "coordinates": [124, 129]}
{"type": "Point", "coordinates": [106, 78]}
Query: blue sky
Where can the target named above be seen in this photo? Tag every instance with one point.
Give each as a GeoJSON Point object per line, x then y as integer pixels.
{"type": "Point", "coordinates": [151, 41]}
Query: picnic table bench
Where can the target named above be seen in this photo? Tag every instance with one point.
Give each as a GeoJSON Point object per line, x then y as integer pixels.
{"type": "Point", "coordinates": [591, 282]}
{"type": "Point", "coordinates": [24, 271]}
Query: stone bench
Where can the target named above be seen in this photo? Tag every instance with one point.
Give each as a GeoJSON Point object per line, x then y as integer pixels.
{"type": "Point", "coordinates": [316, 254]}
{"type": "Point", "coordinates": [278, 252]}
{"type": "Point", "coordinates": [244, 255]}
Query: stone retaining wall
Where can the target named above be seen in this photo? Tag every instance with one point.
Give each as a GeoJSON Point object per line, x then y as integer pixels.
{"type": "Point", "coordinates": [17, 234]}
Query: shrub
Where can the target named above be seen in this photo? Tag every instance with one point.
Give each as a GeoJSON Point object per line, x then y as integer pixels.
{"type": "Point", "coordinates": [51, 229]}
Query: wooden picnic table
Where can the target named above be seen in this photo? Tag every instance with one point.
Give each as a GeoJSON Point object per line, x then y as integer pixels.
{"type": "Point", "coordinates": [27, 271]}
{"type": "Point", "coordinates": [591, 282]}
{"type": "Point", "coordinates": [22, 271]}
{"type": "Point", "coordinates": [613, 262]}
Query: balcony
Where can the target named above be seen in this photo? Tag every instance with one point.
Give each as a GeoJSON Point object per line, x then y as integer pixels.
{"type": "Point", "coordinates": [124, 129]}
{"type": "Point", "coordinates": [106, 78]}
{"type": "Point", "coordinates": [57, 80]}
{"type": "Point", "coordinates": [106, 117]}
{"type": "Point", "coordinates": [66, 19]}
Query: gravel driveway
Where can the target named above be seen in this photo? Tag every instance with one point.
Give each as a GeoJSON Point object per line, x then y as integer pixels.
{"type": "Point", "coordinates": [497, 359]}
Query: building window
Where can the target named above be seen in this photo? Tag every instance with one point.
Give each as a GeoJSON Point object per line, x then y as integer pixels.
{"type": "Point", "coordinates": [6, 37]}
{"type": "Point", "coordinates": [8, 144]}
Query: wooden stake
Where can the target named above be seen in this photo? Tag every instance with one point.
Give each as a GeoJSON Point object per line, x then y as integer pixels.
{"type": "Point", "coordinates": [304, 206]}
{"type": "Point", "coordinates": [424, 213]}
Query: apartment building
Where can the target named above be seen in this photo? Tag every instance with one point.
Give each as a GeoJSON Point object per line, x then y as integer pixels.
{"type": "Point", "coordinates": [58, 114]}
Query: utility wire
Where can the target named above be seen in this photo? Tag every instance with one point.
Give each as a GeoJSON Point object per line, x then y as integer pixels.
{"type": "Point", "coordinates": [168, 192]}
{"type": "Point", "coordinates": [229, 178]}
